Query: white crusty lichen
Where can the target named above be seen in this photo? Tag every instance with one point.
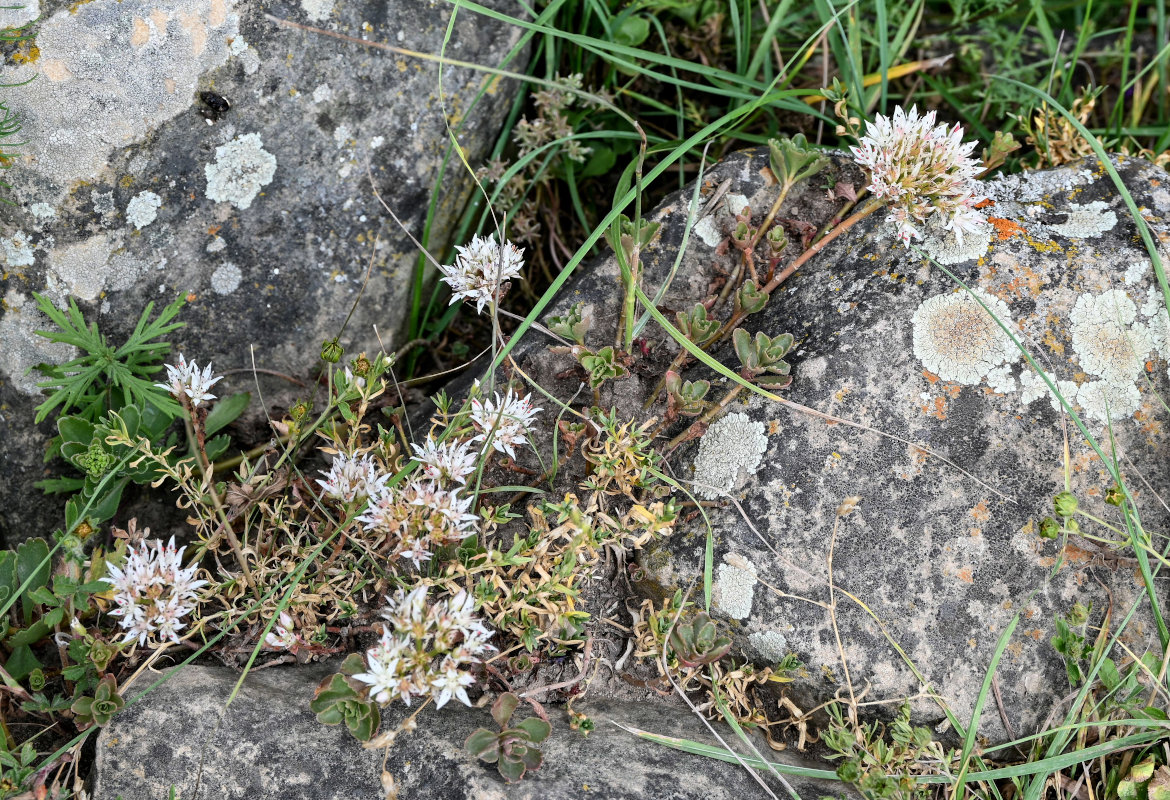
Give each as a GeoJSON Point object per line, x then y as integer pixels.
{"type": "Point", "coordinates": [18, 250]}
{"type": "Point", "coordinates": [734, 443]}
{"type": "Point", "coordinates": [226, 279]}
{"type": "Point", "coordinates": [1157, 321]}
{"type": "Point", "coordinates": [143, 209]}
{"type": "Point", "coordinates": [1035, 388]}
{"type": "Point", "coordinates": [735, 585]}
{"type": "Point", "coordinates": [1107, 338]}
{"type": "Point", "coordinates": [1087, 221]}
{"type": "Point", "coordinates": [241, 169]}
{"type": "Point", "coordinates": [956, 339]}
{"type": "Point", "coordinates": [1105, 401]}
{"type": "Point", "coordinates": [772, 645]}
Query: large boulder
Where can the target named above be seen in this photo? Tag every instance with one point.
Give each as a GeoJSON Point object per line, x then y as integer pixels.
{"type": "Point", "coordinates": [952, 448]}
{"type": "Point", "coordinates": [200, 148]}
{"type": "Point", "coordinates": [267, 743]}
{"type": "Point", "coordinates": [917, 404]}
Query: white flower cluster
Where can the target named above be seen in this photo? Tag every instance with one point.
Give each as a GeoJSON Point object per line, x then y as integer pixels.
{"type": "Point", "coordinates": [425, 649]}
{"type": "Point", "coordinates": [922, 169]}
{"type": "Point", "coordinates": [153, 592]}
{"type": "Point", "coordinates": [432, 509]}
{"type": "Point", "coordinates": [446, 462]}
{"type": "Point", "coordinates": [505, 420]}
{"type": "Point", "coordinates": [352, 478]}
{"type": "Point", "coordinates": [186, 379]}
{"type": "Point", "coordinates": [418, 517]}
{"type": "Point", "coordinates": [482, 270]}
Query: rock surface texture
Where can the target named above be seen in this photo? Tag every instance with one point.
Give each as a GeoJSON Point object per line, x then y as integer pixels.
{"type": "Point", "coordinates": [198, 148]}
{"type": "Point", "coordinates": [269, 745]}
{"type": "Point", "coordinates": [942, 547]}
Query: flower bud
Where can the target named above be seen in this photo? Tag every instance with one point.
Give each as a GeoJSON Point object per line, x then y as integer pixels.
{"type": "Point", "coordinates": [1049, 528]}
{"type": "Point", "coordinates": [331, 351]}
{"type": "Point", "coordinates": [1114, 496]}
{"type": "Point", "coordinates": [1065, 504]}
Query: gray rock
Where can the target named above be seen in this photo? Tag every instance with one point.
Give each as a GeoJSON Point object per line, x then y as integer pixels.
{"type": "Point", "coordinates": [946, 554]}
{"type": "Point", "coordinates": [269, 745]}
{"type": "Point", "coordinates": [943, 554]}
{"type": "Point", "coordinates": [139, 185]}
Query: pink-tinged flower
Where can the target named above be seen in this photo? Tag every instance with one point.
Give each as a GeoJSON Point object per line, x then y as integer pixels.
{"type": "Point", "coordinates": [425, 649]}
{"type": "Point", "coordinates": [352, 478]}
{"type": "Point", "coordinates": [153, 592]}
{"type": "Point", "coordinates": [506, 421]}
{"type": "Point", "coordinates": [418, 517]}
{"type": "Point", "coordinates": [921, 169]}
{"type": "Point", "coordinates": [446, 462]}
{"type": "Point", "coordinates": [283, 636]}
{"type": "Point", "coordinates": [186, 379]}
{"type": "Point", "coordinates": [482, 270]}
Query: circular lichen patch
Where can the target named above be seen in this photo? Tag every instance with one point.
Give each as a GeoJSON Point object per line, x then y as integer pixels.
{"type": "Point", "coordinates": [956, 339]}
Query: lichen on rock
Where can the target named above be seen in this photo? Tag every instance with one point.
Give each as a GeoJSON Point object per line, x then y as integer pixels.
{"type": "Point", "coordinates": [1086, 221]}
{"type": "Point", "coordinates": [956, 339]}
{"type": "Point", "coordinates": [731, 447]}
{"type": "Point", "coordinates": [242, 167]}
{"type": "Point", "coordinates": [143, 209]}
{"type": "Point", "coordinates": [735, 585]}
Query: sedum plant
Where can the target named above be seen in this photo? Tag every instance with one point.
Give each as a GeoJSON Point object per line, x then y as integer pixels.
{"type": "Point", "coordinates": [697, 641]}
{"type": "Point", "coordinates": [513, 749]}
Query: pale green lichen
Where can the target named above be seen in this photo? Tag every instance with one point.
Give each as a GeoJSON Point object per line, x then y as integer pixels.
{"type": "Point", "coordinates": [18, 250]}
{"type": "Point", "coordinates": [241, 169]}
{"type": "Point", "coordinates": [1087, 221]}
{"type": "Point", "coordinates": [1106, 337]}
{"type": "Point", "coordinates": [143, 209]}
{"type": "Point", "coordinates": [772, 645]}
{"type": "Point", "coordinates": [732, 447]}
{"type": "Point", "coordinates": [735, 584]}
{"type": "Point", "coordinates": [226, 279]}
{"type": "Point", "coordinates": [956, 339]}
{"type": "Point", "coordinates": [947, 249]}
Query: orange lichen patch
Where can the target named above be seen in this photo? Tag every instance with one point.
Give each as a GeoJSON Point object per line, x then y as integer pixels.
{"type": "Point", "coordinates": [1035, 633]}
{"type": "Point", "coordinates": [986, 202]}
{"type": "Point", "coordinates": [1005, 228]}
{"type": "Point", "coordinates": [191, 297]}
{"type": "Point", "coordinates": [952, 389]}
{"type": "Point", "coordinates": [773, 427]}
{"type": "Point", "coordinates": [976, 533]}
{"type": "Point", "coordinates": [1007, 605]}
{"type": "Point", "coordinates": [1016, 650]}
{"type": "Point", "coordinates": [1026, 281]}
{"type": "Point", "coordinates": [937, 409]}
{"type": "Point", "coordinates": [214, 229]}
{"type": "Point", "coordinates": [930, 376]}
{"type": "Point", "coordinates": [980, 512]}
{"type": "Point", "coordinates": [965, 575]}
{"type": "Point", "coordinates": [1076, 555]}
{"type": "Point", "coordinates": [971, 642]}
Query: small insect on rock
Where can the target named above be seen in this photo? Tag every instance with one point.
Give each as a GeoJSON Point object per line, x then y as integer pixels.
{"type": "Point", "coordinates": [214, 106]}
